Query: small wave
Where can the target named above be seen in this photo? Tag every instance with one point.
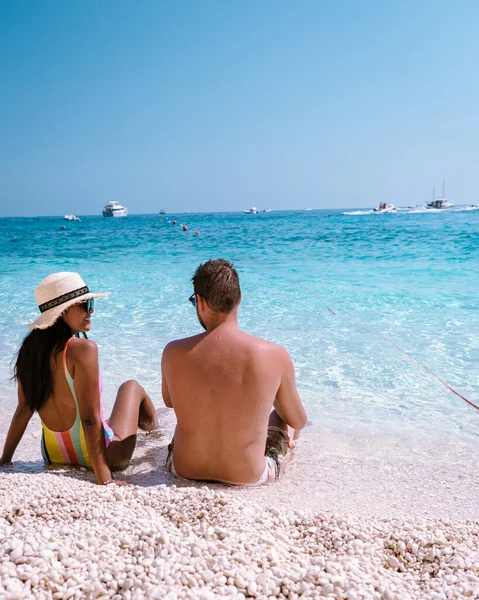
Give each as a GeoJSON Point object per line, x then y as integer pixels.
{"type": "Point", "coordinates": [424, 209]}
{"type": "Point", "coordinates": [413, 210]}
{"type": "Point", "coordinates": [359, 212]}
{"type": "Point", "coordinates": [420, 209]}
{"type": "Point", "coordinates": [467, 208]}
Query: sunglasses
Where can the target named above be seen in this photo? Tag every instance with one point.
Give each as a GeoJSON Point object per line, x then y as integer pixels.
{"type": "Point", "coordinates": [192, 299]}
{"type": "Point", "coordinates": [88, 305]}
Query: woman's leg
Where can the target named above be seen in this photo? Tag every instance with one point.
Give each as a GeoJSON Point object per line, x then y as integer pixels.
{"type": "Point", "coordinates": [133, 408]}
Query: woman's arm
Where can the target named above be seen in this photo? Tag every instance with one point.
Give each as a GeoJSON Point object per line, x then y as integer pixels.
{"type": "Point", "coordinates": [84, 354]}
{"type": "Point", "coordinates": [19, 423]}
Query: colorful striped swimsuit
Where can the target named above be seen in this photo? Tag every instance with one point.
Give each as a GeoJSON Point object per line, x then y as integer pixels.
{"type": "Point", "coordinates": [69, 447]}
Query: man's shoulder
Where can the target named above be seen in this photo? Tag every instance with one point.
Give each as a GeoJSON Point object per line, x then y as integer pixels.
{"type": "Point", "coordinates": [263, 345]}
{"type": "Point", "coordinates": [182, 344]}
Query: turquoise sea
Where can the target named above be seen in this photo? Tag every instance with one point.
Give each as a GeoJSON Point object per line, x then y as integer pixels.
{"type": "Point", "coordinates": [411, 276]}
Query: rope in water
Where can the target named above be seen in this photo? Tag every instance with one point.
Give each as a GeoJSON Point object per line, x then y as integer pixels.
{"type": "Point", "coordinates": [405, 352]}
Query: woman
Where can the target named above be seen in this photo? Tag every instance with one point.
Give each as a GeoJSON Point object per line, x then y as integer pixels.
{"type": "Point", "coordinates": [58, 376]}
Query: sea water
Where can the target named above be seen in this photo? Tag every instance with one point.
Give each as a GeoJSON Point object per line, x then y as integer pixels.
{"type": "Point", "coordinates": [412, 277]}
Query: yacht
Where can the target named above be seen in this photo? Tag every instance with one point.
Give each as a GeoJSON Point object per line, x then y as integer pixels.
{"type": "Point", "coordinates": [384, 208]}
{"type": "Point", "coordinates": [114, 209]}
{"type": "Point", "coordinates": [441, 202]}
{"type": "Point", "coordinates": [71, 218]}
{"type": "Point", "coordinates": [252, 211]}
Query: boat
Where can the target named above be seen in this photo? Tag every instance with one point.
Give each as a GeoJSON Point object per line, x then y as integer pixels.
{"type": "Point", "coordinates": [71, 218]}
{"type": "Point", "coordinates": [266, 210]}
{"type": "Point", "coordinates": [385, 208]}
{"type": "Point", "coordinates": [307, 209]}
{"type": "Point", "coordinates": [114, 209]}
{"type": "Point", "coordinates": [439, 203]}
{"type": "Point", "coordinates": [163, 211]}
{"type": "Point", "coordinates": [252, 211]}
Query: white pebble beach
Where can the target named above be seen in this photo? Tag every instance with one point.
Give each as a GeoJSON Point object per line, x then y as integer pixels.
{"type": "Point", "coordinates": [349, 520]}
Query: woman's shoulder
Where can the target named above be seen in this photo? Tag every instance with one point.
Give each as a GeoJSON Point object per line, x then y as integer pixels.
{"type": "Point", "coordinates": [80, 348]}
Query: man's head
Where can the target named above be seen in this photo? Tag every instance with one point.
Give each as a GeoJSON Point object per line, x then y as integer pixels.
{"type": "Point", "coordinates": [216, 289]}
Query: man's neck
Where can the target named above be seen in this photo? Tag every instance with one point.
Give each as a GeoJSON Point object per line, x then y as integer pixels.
{"type": "Point", "coordinates": [224, 320]}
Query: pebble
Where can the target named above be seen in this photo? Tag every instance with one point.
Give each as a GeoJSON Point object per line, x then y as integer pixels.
{"type": "Point", "coordinates": [194, 543]}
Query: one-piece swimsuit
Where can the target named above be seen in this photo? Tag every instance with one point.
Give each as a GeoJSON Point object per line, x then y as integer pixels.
{"type": "Point", "coordinates": [69, 447]}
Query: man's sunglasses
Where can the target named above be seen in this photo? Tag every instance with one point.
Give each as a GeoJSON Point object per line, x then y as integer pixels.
{"type": "Point", "coordinates": [88, 305]}
{"type": "Point", "coordinates": [192, 299]}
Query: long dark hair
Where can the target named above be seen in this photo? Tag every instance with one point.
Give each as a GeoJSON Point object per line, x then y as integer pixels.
{"type": "Point", "coordinates": [33, 366]}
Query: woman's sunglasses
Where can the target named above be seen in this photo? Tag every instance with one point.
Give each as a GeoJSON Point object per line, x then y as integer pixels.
{"type": "Point", "coordinates": [88, 305]}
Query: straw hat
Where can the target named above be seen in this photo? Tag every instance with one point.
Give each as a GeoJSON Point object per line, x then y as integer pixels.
{"type": "Point", "coordinates": [56, 293]}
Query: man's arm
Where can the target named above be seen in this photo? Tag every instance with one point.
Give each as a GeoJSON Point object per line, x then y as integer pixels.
{"type": "Point", "coordinates": [165, 360]}
{"type": "Point", "coordinates": [19, 423]}
{"type": "Point", "coordinates": [287, 402]}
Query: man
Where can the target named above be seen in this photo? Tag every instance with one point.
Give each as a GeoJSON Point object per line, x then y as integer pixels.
{"type": "Point", "coordinates": [223, 385]}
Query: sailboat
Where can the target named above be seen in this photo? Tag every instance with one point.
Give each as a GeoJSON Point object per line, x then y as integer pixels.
{"type": "Point", "coordinates": [441, 202]}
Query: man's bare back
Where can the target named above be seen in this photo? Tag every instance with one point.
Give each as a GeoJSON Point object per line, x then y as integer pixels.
{"type": "Point", "coordinates": [222, 385]}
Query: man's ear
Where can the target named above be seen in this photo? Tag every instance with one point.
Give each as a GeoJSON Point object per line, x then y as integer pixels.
{"type": "Point", "coordinates": [201, 302]}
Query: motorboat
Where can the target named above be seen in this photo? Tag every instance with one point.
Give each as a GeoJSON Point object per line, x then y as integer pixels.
{"type": "Point", "coordinates": [307, 209]}
{"type": "Point", "coordinates": [163, 211]}
{"type": "Point", "coordinates": [252, 211]}
{"type": "Point", "coordinates": [114, 209]}
{"type": "Point", "coordinates": [385, 208]}
{"type": "Point", "coordinates": [266, 210]}
{"type": "Point", "coordinates": [439, 203]}
{"type": "Point", "coordinates": [71, 218]}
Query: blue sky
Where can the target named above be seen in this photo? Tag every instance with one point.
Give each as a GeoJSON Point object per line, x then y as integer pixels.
{"type": "Point", "coordinates": [214, 105]}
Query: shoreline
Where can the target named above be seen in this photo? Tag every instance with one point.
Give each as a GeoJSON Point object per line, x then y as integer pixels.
{"type": "Point", "coordinates": [332, 471]}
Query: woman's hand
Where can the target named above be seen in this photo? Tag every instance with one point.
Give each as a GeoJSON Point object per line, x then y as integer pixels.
{"type": "Point", "coordinates": [121, 483]}
{"type": "Point", "coordinates": [117, 482]}
{"type": "Point", "coordinates": [19, 423]}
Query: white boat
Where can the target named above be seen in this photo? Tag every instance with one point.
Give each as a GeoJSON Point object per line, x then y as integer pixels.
{"type": "Point", "coordinates": [266, 210]}
{"type": "Point", "coordinates": [252, 211]}
{"type": "Point", "coordinates": [114, 209]}
{"type": "Point", "coordinates": [307, 209]}
{"type": "Point", "coordinates": [71, 218]}
{"type": "Point", "coordinates": [385, 208]}
{"type": "Point", "coordinates": [439, 203]}
{"type": "Point", "coordinates": [163, 211]}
